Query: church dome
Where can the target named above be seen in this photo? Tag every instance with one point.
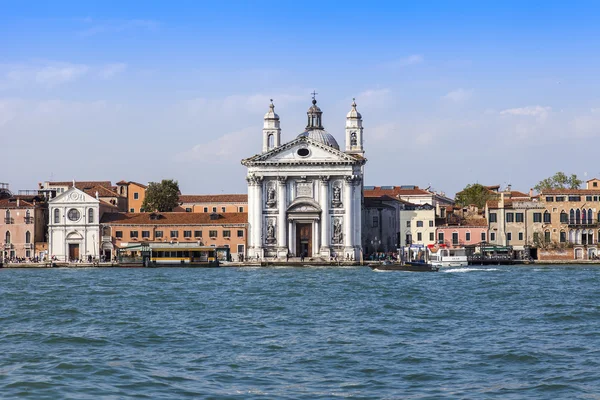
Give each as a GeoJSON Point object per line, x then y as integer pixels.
{"type": "Point", "coordinates": [314, 129]}
{"type": "Point", "coordinates": [321, 136]}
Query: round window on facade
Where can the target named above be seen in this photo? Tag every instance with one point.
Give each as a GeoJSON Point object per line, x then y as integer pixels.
{"type": "Point", "coordinates": [73, 214]}
{"type": "Point", "coordinates": [303, 152]}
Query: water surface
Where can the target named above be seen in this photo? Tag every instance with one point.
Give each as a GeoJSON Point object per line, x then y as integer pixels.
{"type": "Point", "coordinates": [300, 333]}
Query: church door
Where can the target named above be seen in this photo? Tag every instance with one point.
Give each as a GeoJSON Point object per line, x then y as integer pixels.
{"type": "Point", "coordinates": [303, 239]}
{"type": "Point", "coordinates": [73, 251]}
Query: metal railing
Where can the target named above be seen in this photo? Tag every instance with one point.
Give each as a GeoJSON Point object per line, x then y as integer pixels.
{"type": "Point", "coordinates": [9, 220]}
{"type": "Point", "coordinates": [575, 222]}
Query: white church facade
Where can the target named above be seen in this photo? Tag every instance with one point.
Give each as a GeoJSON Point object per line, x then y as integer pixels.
{"type": "Point", "coordinates": [305, 196]}
{"type": "Point", "coordinates": [74, 225]}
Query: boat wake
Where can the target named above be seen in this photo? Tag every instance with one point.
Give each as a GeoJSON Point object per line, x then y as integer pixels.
{"type": "Point", "coordinates": [467, 269]}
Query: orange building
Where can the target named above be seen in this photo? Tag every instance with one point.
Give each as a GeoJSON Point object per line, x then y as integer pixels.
{"type": "Point", "coordinates": [213, 203]}
{"type": "Point", "coordinates": [135, 194]}
{"type": "Point", "coordinates": [210, 229]}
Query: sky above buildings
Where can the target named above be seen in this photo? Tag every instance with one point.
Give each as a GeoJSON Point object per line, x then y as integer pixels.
{"type": "Point", "coordinates": [451, 93]}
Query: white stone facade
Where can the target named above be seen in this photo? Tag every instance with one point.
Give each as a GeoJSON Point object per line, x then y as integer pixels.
{"type": "Point", "coordinates": [74, 226]}
{"type": "Point", "coordinates": [305, 196]}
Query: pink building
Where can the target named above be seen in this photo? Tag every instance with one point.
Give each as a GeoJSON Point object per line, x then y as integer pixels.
{"type": "Point", "coordinates": [23, 227]}
{"type": "Point", "coordinates": [471, 232]}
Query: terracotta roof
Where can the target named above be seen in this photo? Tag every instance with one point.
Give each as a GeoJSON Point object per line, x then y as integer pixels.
{"type": "Point", "coordinates": [493, 188]}
{"type": "Point", "coordinates": [494, 203]}
{"type": "Point", "coordinates": [395, 191]}
{"type": "Point", "coordinates": [12, 203]}
{"type": "Point", "coordinates": [516, 193]}
{"type": "Point", "coordinates": [102, 192]}
{"type": "Point", "coordinates": [83, 184]}
{"type": "Point", "coordinates": [173, 218]}
{"type": "Point", "coordinates": [570, 191]}
{"type": "Point", "coordinates": [475, 222]}
{"type": "Point", "coordinates": [130, 182]}
{"type": "Point", "coordinates": [213, 198]}
{"type": "Point", "coordinates": [106, 203]}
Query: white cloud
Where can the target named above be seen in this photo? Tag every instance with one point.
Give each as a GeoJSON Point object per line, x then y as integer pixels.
{"type": "Point", "coordinates": [587, 125]}
{"type": "Point", "coordinates": [539, 112]}
{"type": "Point", "coordinates": [413, 59]}
{"type": "Point", "coordinates": [109, 71]}
{"type": "Point", "coordinates": [228, 148]}
{"type": "Point", "coordinates": [54, 75]}
{"type": "Point", "coordinates": [95, 27]}
{"type": "Point", "coordinates": [49, 74]}
{"type": "Point", "coordinates": [459, 95]}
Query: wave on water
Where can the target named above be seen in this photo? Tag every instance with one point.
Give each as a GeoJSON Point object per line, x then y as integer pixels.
{"type": "Point", "coordinates": [468, 269]}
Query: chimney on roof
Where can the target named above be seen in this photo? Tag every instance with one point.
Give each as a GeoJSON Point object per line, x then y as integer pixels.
{"type": "Point", "coordinates": [18, 201]}
{"type": "Point", "coordinates": [96, 195]}
{"type": "Point", "coordinates": [530, 192]}
{"type": "Point", "coordinates": [508, 187]}
{"type": "Point", "coordinates": [501, 202]}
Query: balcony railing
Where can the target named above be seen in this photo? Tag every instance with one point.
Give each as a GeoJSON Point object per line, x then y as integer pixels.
{"type": "Point", "coordinates": [106, 238]}
{"type": "Point", "coordinates": [580, 223]}
{"type": "Point", "coordinates": [28, 246]}
{"type": "Point", "coordinates": [9, 220]}
{"type": "Point", "coordinates": [29, 220]}
{"type": "Point", "coordinates": [7, 246]}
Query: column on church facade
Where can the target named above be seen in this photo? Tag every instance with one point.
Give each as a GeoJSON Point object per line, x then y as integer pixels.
{"type": "Point", "coordinates": [324, 202]}
{"type": "Point", "coordinates": [258, 208]}
{"type": "Point", "coordinates": [291, 237]}
{"type": "Point", "coordinates": [348, 212]}
{"type": "Point", "coordinates": [251, 234]}
{"type": "Point", "coordinates": [281, 208]}
{"type": "Point", "coordinates": [317, 241]}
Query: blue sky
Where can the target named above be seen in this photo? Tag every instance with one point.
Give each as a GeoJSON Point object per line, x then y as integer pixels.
{"type": "Point", "coordinates": [451, 93]}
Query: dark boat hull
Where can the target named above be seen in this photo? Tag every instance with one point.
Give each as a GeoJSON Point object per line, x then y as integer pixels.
{"type": "Point", "coordinates": [405, 267]}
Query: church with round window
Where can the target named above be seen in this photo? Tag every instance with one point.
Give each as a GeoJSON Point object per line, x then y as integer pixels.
{"type": "Point", "coordinates": [305, 196]}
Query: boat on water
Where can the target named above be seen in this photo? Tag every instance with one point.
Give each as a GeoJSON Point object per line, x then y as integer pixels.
{"type": "Point", "coordinates": [412, 267]}
{"type": "Point", "coordinates": [442, 256]}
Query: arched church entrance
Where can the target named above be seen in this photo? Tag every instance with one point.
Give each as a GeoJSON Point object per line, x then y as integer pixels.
{"type": "Point", "coordinates": [304, 216]}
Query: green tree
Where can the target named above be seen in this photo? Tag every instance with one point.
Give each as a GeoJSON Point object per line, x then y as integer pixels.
{"type": "Point", "coordinates": [559, 181]}
{"type": "Point", "coordinates": [161, 197]}
{"type": "Point", "coordinates": [474, 194]}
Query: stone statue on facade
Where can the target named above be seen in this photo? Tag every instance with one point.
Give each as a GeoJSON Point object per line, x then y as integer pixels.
{"type": "Point", "coordinates": [337, 232]}
{"type": "Point", "coordinates": [336, 198]}
{"type": "Point", "coordinates": [271, 197]}
{"type": "Point", "coordinates": [270, 232]}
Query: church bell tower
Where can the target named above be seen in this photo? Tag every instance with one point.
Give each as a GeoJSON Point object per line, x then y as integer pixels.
{"type": "Point", "coordinates": [271, 130]}
{"type": "Point", "coordinates": [354, 131]}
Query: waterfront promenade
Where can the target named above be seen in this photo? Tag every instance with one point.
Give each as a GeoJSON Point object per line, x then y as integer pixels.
{"type": "Point", "coordinates": [293, 262]}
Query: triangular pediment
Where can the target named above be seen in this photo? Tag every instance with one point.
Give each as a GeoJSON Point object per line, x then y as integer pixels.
{"type": "Point", "coordinates": [73, 195]}
{"type": "Point", "coordinates": [303, 150]}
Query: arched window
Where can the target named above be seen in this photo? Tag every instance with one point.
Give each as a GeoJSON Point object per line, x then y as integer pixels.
{"type": "Point", "coordinates": [572, 216]}
{"type": "Point", "coordinates": [353, 140]}
{"type": "Point", "coordinates": [564, 219]}
{"type": "Point", "coordinates": [270, 141]}
{"type": "Point", "coordinates": [563, 236]}
{"type": "Point", "coordinates": [584, 216]}
{"type": "Point", "coordinates": [90, 215]}
{"type": "Point", "coordinates": [547, 236]}
{"type": "Point", "coordinates": [577, 216]}
{"type": "Point", "coordinates": [7, 237]}
{"type": "Point", "coordinates": [547, 217]}
{"type": "Point", "coordinates": [7, 217]}
{"type": "Point", "coordinates": [56, 216]}
{"type": "Point", "coordinates": [27, 237]}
